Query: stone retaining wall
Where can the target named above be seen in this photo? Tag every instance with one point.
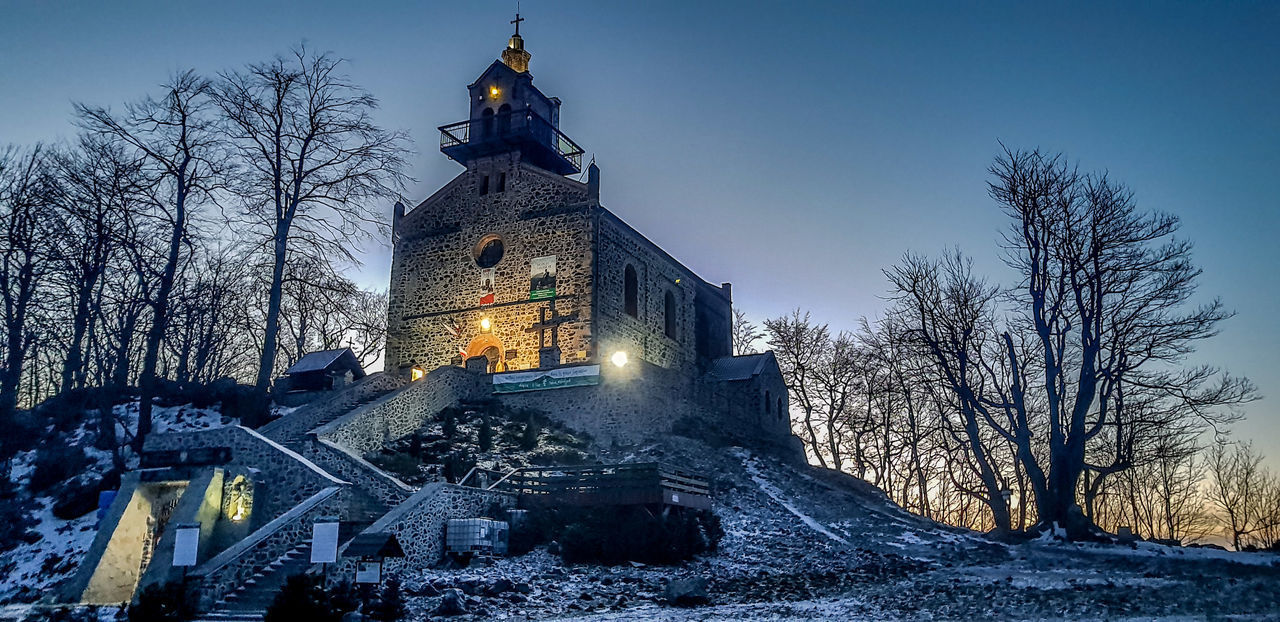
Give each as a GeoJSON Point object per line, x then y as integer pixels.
{"type": "Point", "coordinates": [283, 477]}
{"type": "Point", "coordinates": [419, 522]}
{"type": "Point", "coordinates": [294, 425]}
{"type": "Point", "coordinates": [363, 475]}
{"type": "Point", "coordinates": [235, 566]}
{"type": "Point", "coordinates": [398, 414]}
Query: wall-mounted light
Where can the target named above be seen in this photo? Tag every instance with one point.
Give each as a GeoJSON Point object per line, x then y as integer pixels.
{"type": "Point", "coordinates": [494, 92]}
{"type": "Point", "coordinates": [486, 324]}
{"type": "Point", "coordinates": [619, 358]}
{"type": "Point", "coordinates": [416, 373]}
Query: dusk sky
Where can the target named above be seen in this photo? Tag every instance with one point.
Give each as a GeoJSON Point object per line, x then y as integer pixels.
{"type": "Point", "coordinates": [792, 149]}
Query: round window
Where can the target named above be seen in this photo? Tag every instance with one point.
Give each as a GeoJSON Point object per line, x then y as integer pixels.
{"type": "Point", "coordinates": [488, 252]}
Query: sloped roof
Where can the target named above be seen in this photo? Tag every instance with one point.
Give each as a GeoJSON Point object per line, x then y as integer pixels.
{"type": "Point", "coordinates": [377, 544]}
{"type": "Point", "coordinates": [327, 359]}
{"type": "Point", "coordinates": [730, 368]}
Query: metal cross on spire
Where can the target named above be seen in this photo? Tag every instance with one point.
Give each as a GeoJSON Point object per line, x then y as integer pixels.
{"type": "Point", "coordinates": [517, 20]}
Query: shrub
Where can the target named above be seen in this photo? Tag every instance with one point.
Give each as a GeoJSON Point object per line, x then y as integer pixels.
{"type": "Point", "coordinates": [164, 602]}
{"type": "Point", "coordinates": [390, 605]}
{"type": "Point", "coordinates": [484, 438]}
{"type": "Point", "coordinates": [306, 597]}
{"type": "Point", "coordinates": [529, 438]}
{"type": "Point", "coordinates": [64, 614]}
{"type": "Point", "coordinates": [450, 422]}
{"type": "Point", "coordinates": [14, 514]}
{"type": "Point", "coordinates": [404, 466]}
{"type": "Point", "coordinates": [56, 463]}
{"type": "Point", "coordinates": [614, 535]}
{"type": "Point", "coordinates": [77, 497]}
{"type": "Point", "coordinates": [457, 464]}
{"type": "Point", "coordinates": [245, 403]}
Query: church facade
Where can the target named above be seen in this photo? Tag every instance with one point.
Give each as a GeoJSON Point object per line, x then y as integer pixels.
{"type": "Point", "coordinates": [513, 243]}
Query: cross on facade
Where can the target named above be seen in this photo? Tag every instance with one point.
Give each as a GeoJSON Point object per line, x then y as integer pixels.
{"type": "Point", "coordinates": [550, 323]}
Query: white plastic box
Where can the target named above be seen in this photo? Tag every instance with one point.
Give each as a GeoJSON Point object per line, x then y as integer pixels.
{"type": "Point", "coordinates": [483, 536]}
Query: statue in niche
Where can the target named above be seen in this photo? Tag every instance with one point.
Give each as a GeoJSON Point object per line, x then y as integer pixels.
{"type": "Point", "coordinates": [239, 499]}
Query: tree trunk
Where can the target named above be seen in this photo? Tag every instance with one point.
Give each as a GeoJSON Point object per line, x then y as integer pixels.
{"type": "Point", "coordinates": [267, 364]}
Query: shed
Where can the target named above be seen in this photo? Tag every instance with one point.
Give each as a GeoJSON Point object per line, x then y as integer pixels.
{"type": "Point", "coordinates": [323, 370]}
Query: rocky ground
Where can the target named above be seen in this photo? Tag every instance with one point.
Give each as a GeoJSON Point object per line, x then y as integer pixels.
{"type": "Point", "coordinates": [802, 545]}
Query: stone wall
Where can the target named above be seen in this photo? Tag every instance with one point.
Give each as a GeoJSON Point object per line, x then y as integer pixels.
{"type": "Point", "coordinates": [643, 336]}
{"type": "Point", "coordinates": [292, 427]}
{"type": "Point", "coordinates": [281, 478]}
{"type": "Point", "coordinates": [399, 413]}
{"type": "Point", "coordinates": [435, 310]}
{"type": "Point", "coordinates": [365, 476]}
{"type": "Point", "coordinates": [235, 566]}
{"type": "Point", "coordinates": [419, 522]}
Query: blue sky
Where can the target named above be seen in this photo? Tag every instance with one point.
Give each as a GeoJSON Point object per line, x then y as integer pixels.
{"type": "Point", "coordinates": [794, 149]}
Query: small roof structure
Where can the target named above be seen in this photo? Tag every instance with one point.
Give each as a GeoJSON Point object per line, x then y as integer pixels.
{"type": "Point", "coordinates": [744, 367]}
{"type": "Point", "coordinates": [378, 544]}
{"type": "Point", "coordinates": [328, 360]}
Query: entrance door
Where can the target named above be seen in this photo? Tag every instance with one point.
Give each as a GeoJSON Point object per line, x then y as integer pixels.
{"type": "Point", "coordinates": [489, 347]}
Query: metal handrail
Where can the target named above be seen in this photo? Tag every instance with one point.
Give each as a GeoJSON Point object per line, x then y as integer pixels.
{"type": "Point", "coordinates": [509, 124]}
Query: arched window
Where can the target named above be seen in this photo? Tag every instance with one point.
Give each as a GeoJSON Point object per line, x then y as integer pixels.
{"type": "Point", "coordinates": [669, 315]}
{"type": "Point", "coordinates": [768, 403]}
{"type": "Point", "coordinates": [504, 119]}
{"type": "Point", "coordinates": [486, 123]}
{"type": "Point", "coordinates": [630, 292]}
{"type": "Point", "coordinates": [781, 413]}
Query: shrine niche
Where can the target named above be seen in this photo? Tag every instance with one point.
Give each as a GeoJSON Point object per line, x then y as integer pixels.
{"type": "Point", "coordinates": [238, 500]}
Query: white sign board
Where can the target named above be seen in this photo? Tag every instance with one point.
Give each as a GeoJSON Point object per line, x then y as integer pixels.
{"type": "Point", "coordinates": [186, 545]}
{"type": "Point", "coordinates": [369, 572]}
{"type": "Point", "coordinates": [324, 543]}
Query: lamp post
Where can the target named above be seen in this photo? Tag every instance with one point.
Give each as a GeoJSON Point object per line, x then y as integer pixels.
{"type": "Point", "coordinates": [1007, 495]}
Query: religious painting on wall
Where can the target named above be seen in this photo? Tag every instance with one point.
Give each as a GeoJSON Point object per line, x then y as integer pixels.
{"type": "Point", "coordinates": [542, 277]}
{"type": "Point", "coordinates": [487, 276]}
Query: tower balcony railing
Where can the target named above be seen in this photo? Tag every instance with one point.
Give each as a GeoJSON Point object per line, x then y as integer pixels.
{"type": "Point", "coordinates": [466, 139]}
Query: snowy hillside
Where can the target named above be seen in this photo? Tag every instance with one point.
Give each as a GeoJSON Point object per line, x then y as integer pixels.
{"type": "Point", "coordinates": [52, 547]}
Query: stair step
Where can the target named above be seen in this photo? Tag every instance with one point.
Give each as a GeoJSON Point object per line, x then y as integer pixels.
{"type": "Point", "coordinates": [248, 615]}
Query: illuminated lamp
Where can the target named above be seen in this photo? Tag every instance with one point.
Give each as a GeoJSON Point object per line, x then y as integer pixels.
{"type": "Point", "coordinates": [416, 373]}
{"type": "Point", "coordinates": [486, 324]}
{"type": "Point", "coordinates": [494, 92]}
{"type": "Point", "coordinates": [619, 358]}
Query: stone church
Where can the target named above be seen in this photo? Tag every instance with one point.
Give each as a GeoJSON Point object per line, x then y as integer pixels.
{"type": "Point", "coordinates": [480, 261]}
{"type": "Point", "coordinates": [511, 284]}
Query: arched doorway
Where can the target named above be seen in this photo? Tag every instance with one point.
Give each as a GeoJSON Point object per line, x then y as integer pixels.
{"type": "Point", "coordinates": [489, 347]}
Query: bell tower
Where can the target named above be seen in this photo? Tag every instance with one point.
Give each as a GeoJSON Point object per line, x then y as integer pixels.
{"type": "Point", "coordinates": [509, 114]}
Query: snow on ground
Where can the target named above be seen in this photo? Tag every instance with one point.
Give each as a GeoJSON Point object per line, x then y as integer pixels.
{"type": "Point", "coordinates": [769, 489]}
{"type": "Point", "coordinates": [181, 418]}
{"type": "Point", "coordinates": [32, 569]}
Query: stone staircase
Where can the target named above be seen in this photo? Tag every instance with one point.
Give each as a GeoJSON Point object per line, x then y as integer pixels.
{"type": "Point", "coordinates": [291, 429]}
{"type": "Point", "coordinates": [250, 601]}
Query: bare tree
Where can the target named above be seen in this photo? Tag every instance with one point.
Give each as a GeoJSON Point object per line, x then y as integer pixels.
{"type": "Point", "coordinates": [175, 141]}
{"type": "Point", "coordinates": [1244, 493]}
{"type": "Point", "coordinates": [313, 160]}
{"type": "Point", "coordinates": [1103, 291]}
{"type": "Point", "coordinates": [745, 334]}
{"type": "Point", "coordinates": [27, 193]}
{"type": "Point", "coordinates": [950, 315]}
{"type": "Point", "coordinates": [799, 345]}
{"type": "Point", "coordinates": [100, 188]}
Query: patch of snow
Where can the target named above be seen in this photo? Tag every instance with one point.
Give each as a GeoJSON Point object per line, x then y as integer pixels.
{"type": "Point", "coordinates": [753, 470]}
{"type": "Point", "coordinates": [31, 570]}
